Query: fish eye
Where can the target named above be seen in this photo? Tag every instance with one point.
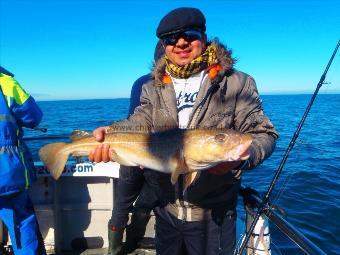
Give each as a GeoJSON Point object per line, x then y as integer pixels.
{"type": "Point", "coordinates": [220, 138]}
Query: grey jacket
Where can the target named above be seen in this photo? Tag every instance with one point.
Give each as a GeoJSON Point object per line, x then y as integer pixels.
{"type": "Point", "coordinates": [230, 100]}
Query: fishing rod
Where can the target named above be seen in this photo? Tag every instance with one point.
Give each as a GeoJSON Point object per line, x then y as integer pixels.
{"type": "Point", "coordinates": [45, 137]}
{"type": "Point", "coordinates": [265, 200]}
{"type": "Point", "coordinates": [276, 216]}
{"type": "Point", "coordinates": [44, 130]}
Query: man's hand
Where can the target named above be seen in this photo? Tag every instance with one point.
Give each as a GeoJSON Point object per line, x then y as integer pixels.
{"type": "Point", "coordinates": [102, 151]}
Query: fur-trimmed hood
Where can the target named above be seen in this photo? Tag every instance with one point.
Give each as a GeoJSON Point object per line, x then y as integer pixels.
{"type": "Point", "coordinates": [225, 60]}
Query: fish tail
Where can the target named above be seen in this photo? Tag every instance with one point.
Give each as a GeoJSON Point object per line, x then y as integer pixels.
{"type": "Point", "coordinates": [54, 158]}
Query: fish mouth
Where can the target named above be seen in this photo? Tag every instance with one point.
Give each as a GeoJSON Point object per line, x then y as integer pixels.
{"type": "Point", "coordinates": [240, 152]}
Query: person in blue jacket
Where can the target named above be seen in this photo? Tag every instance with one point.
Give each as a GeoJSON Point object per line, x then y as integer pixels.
{"type": "Point", "coordinates": [17, 109]}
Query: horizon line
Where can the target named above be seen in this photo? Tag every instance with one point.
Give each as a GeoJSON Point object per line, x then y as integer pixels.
{"type": "Point", "coordinates": [262, 94]}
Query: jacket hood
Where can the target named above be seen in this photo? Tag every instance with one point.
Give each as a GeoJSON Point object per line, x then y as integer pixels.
{"type": "Point", "coordinates": [225, 60]}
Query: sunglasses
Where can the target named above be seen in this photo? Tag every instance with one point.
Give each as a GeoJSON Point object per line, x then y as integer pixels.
{"type": "Point", "coordinates": [189, 36]}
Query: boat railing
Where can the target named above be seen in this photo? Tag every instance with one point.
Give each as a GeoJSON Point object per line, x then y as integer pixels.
{"type": "Point", "coordinates": [253, 202]}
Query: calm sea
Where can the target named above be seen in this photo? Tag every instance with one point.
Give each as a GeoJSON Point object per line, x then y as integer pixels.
{"type": "Point", "coordinates": [309, 186]}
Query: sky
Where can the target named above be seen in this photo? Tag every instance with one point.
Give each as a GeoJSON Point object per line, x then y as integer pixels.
{"type": "Point", "coordinates": [83, 49]}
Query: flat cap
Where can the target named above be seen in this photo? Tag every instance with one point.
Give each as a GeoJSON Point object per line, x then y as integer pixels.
{"type": "Point", "coordinates": [179, 20]}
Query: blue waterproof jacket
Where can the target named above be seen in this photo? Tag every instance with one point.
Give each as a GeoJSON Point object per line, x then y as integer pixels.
{"type": "Point", "coordinates": [17, 109]}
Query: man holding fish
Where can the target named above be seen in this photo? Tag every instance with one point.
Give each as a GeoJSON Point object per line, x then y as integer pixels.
{"type": "Point", "coordinates": [222, 131]}
{"type": "Point", "coordinates": [195, 86]}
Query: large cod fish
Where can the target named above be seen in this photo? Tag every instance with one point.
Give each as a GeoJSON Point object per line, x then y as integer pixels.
{"type": "Point", "coordinates": [176, 151]}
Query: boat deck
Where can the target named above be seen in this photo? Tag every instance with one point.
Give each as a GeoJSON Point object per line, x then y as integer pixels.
{"type": "Point", "coordinates": [145, 246]}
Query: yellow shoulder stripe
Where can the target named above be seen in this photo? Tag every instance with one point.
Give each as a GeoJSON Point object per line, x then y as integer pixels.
{"type": "Point", "coordinates": [12, 89]}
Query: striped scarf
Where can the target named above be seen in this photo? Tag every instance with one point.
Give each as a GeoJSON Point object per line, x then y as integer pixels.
{"type": "Point", "coordinates": [208, 58]}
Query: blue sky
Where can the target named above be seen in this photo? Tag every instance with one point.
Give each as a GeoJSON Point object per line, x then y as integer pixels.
{"type": "Point", "coordinates": [80, 49]}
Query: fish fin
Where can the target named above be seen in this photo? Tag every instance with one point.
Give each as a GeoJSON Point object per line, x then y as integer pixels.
{"type": "Point", "coordinates": [79, 134]}
{"type": "Point", "coordinates": [120, 160]}
{"type": "Point", "coordinates": [175, 174]}
{"type": "Point", "coordinates": [80, 154]}
{"type": "Point", "coordinates": [199, 165]}
{"type": "Point", "coordinates": [54, 158]}
{"type": "Point", "coordinates": [190, 178]}
{"type": "Point", "coordinates": [180, 166]}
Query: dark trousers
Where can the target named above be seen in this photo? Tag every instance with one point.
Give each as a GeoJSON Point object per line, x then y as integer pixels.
{"type": "Point", "coordinates": [134, 183]}
{"type": "Point", "coordinates": [177, 237]}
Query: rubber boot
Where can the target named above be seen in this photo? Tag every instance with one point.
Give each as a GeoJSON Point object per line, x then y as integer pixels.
{"type": "Point", "coordinates": [135, 230]}
{"type": "Point", "coordinates": [115, 240]}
